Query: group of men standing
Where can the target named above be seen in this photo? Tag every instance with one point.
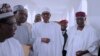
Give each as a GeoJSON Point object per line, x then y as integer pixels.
{"type": "Point", "coordinates": [79, 40]}
{"type": "Point", "coordinates": [44, 38]}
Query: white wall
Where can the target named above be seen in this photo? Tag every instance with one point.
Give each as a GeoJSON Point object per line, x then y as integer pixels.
{"type": "Point", "coordinates": [94, 14]}
{"type": "Point", "coordinates": [60, 9]}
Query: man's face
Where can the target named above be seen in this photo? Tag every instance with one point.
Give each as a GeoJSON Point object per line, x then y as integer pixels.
{"type": "Point", "coordinates": [22, 16]}
{"type": "Point", "coordinates": [80, 21]}
{"type": "Point", "coordinates": [63, 27]}
{"type": "Point", "coordinates": [46, 16]}
{"type": "Point", "coordinates": [8, 29]}
{"type": "Point", "coordinates": [38, 18]}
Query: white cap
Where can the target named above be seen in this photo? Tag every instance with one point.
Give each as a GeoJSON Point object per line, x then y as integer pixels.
{"type": "Point", "coordinates": [45, 10]}
{"type": "Point", "coordinates": [4, 15]}
{"type": "Point", "coordinates": [18, 7]}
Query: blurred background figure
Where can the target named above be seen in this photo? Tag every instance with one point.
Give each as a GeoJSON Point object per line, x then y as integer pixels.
{"type": "Point", "coordinates": [64, 24]}
{"type": "Point", "coordinates": [37, 18]}
{"type": "Point", "coordinates": [23, 32]}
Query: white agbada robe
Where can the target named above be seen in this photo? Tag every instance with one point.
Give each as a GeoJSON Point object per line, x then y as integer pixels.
{"type": "Point", "coordinates": [52, 31]}
{"type": "Point", "coordinates": [11, 47]}
{"type": "Point", "coordinates": [82, 40]}
{"type": "Point", "coordinates": [23, 33]}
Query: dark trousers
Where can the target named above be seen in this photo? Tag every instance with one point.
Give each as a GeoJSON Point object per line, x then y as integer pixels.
{"type": "Point", "coordinates": [64, 52]}
{"type": "Point", "coordinates": [99, 52]}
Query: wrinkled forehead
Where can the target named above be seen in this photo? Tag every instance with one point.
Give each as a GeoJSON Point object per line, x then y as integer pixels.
{"type": "Point", "coordinates": [11, 21]}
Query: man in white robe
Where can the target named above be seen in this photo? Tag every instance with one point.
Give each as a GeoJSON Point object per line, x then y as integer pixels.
{"type": "Point", "coordinates": [82, 39]}
{"type": "Point", "coordinates": [37, 19]}
{"type": "Point", "coordinates": [11, 47]}
{"type": "Point", "coordinates": [48, 39]}
{"type": "Point", "coordinates": [23, 32]}
{"type": "Point", "coordinates": [8, 45]}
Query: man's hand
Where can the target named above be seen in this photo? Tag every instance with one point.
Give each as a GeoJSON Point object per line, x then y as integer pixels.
{"type": "Point", "coordinates": [45, 40]}
{"type": "Point", "coordinates": [80, 53]}
{"type": "Point", "coordinates": [31, 47]}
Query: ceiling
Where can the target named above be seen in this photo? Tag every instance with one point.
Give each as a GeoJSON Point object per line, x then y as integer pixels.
{"type": "Point", "coordinates": [56, 6]}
